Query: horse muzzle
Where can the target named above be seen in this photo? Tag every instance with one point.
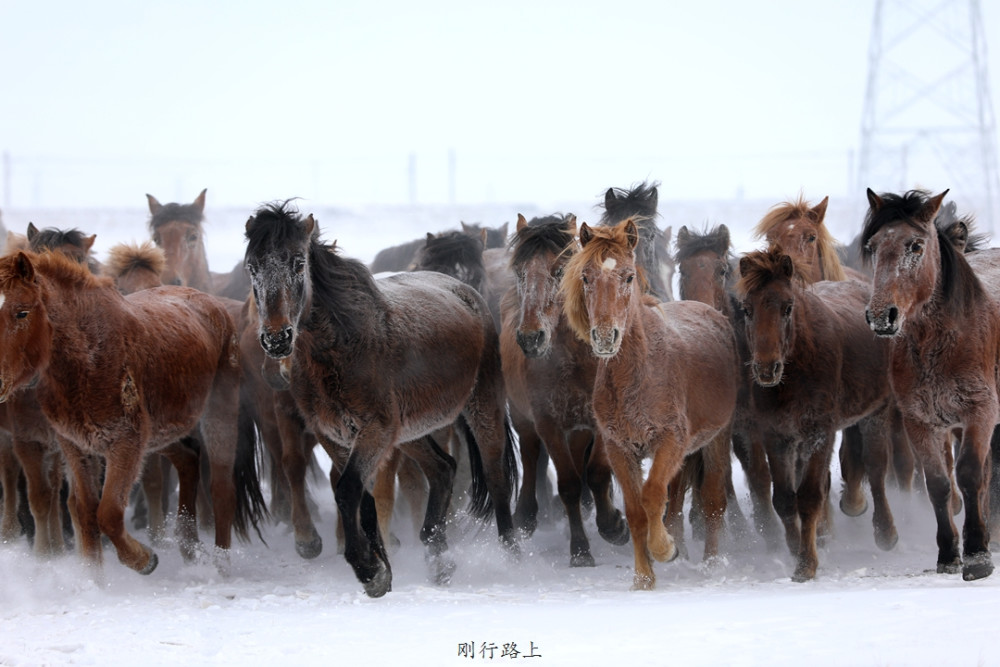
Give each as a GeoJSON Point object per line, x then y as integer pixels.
{"type": "Point", "coordinates": [886, 323]}
{"type": "Point", "coordinates": [534, 344]}
{"type": "Point", "coordinates": [768, 375]}
{"type": "Point", "coordinates": [605, 341]}
{"type": "Point", "coordinates": [278, 344]}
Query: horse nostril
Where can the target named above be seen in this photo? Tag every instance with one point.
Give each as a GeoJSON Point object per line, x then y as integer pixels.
{"type": "Point", "coordinates": [892, 315]}
{"type": "Point", "coordinates": [868, 316]}
{"type": "Point", "coordinates": [615, 334]}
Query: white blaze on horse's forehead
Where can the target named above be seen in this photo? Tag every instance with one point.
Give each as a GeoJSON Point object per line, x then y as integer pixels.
{"type": "Point", "coordinates": [609, 264]}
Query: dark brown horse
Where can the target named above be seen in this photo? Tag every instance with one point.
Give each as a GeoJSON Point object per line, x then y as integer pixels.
{"type": "Point", "coordinates": [939, 310]}
{"type": "Point", "coordinates": [549, 374]}
{"type": "Point", "coordinates": [71, 242]}
{"type": "Point", "coordinates": [177, 228]}
{"type": "Point", "coordinates": [816, 369]}
{"type": "Point", "coordinates": [639, 203]}
{"type": "Point", "coordinates": [665, 384]}
{"type": "Point", "coordinates": [146, 372]}
{"type": "Point", "coordinates": [401, 257]}
{"type": "Point", "coordinates": [378, 364]}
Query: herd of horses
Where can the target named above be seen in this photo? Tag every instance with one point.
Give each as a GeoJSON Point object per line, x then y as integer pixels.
{"type": "Point", "coordinates": [122, 381]}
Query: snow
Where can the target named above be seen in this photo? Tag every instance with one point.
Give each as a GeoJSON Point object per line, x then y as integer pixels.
{"type": "Point", "coordinates": [865, 607]}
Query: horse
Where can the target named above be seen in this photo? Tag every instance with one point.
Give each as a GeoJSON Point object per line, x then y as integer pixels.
{"type": "Point", "coordinates": [379, 364]}
{"type": "Point", "coordinates": [640, 203]}
{"type": "Point", "coordinates": [135, 266]}
{"type": "Point", "coordinates": [816, 369]}
{"type": "Point", "coordinates": [549, 375]}
{"type": "Point", "coordinates": [153, 367]}
{"type": "Point", "coordinates": [401, 257]}
{"type": "Point", "coordinates": [938, 308]}
{"type": "Point", "coordinates": [71, 242]}
{"type": "Point", "coordinates": [665, 384]}
{"type": "Point", "coordinates": [177, 228]}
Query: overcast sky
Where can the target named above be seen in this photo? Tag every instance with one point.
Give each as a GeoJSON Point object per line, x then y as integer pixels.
{"type": "Point", "coordinates": [346, 101]}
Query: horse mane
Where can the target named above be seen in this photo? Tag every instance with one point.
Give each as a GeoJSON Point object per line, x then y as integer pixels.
{"type": "Point", "coordinates": [604, 242]}
{"type": "Point", "coordinates": [51, 237]}
{"type": "Point", "coordinates": [126, 257]}
{"type": "Point", "coordinates": [716, 240]}
{"type": "Point", "coordinates": [760, 267]}
{"type": "Point", "coordinates": [960, 287]}
{"type": "Point", "coordinates": [639, 203]}
{"type": "Point", "coordinates": [551, 233]}
{"type": "Point", "coordinates": [782, 212]}
{"type": "Point", "coordinates": [456, 254]}
{"type": "Point", "coordinates": [343, 288]}
{"type": "Point", "coordinates": [64, 271]}
{"type": "Point", "coordinates": [189, 213]}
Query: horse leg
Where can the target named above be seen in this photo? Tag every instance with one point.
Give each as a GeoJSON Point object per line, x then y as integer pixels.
{"type": "Point", "coordinates": [811, 503]}
{"type": "Point", "coordinates": [413, 485]}
{"type": "Point", "coordinates": [123, 463]}
{"type": "Point", "coordinates": [152, 489]}
{"type": "Point", "coordinates": [611, 524]}
{"type": "Point", "coordinates": [753, 458]}
{"type": "Point", "coordinates": [995, 484]}
{"type": "Point", "coordinates": [485, 418]}
{"type": "Point", "coordinates": [295, 454]}
{"type": "Point", "coordinates": [363, 545]}
{"type": "Point", "coordinates": [384, 493]}
{"type": "Point", "coordinates": [950, 446]}
{"type": "Point", "coordinates": [668, 457]}
{"type": "Point", "coordinates": [628, 470]}
{"type": "Point", "coordinates": [673, 519]}
{"type": "Point", "coordinates": [877, 452]}
{"type": "Point", "coordinates": [852, 472]}
{"type": "Point", "coordinates": [904, 463]}
{"type": "Point", "coordinates": [716, 477]}
{"type": "Point", "coordinates": [10, 470]}
{"type": "Point", "coordinates": [56, 477]}
{"type": "Point", "coordinates": [973, 474]}
{"type": "Point", "coordinates": [932, 458]}
{"type": "Point", "coordinates": [42, 497]}
{"type": "Point", "coordinates": [439, 469]}
{"type": "Point", "coordinates": [186, 461]}
{"type": "Point", "coordinates": [526, 511]}
{"type": "Point", "coordinates": [784, 495]}
{"type": "Point", "coordinates": [569, 482]}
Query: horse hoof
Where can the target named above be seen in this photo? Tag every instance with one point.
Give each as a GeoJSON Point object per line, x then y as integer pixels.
{"type": "Point", "coordinates": [310, 549]}
{"type": "Point", "coordinates": [803, 574]}
{"type": "Point", "coordinates": [526, 525]}
{"type": "Point", "coordinates": [442, 569]}
{"type": "Point", "coordinates": [380, 583]}
{"type": "Point", "coordinates": [977, 566]}
{"type": "Point", "coordinates": [618, 534]}
{"type": "Point", "coordinates": [949, 568]}
{"type": "Point", "coordinates": [643, 583]}
{"type": "Point", "coordinates": [887, 542]}
{"type": "Point", "coordinates": [583, 559]}
{"type": "Point", "coordinates": [153, 562]}
{"type": "Point", "coordinates": [847, 509]}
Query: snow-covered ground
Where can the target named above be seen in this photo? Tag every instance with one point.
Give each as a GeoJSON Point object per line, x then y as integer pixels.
{"type": "Point", "coordinates": [865, 607]}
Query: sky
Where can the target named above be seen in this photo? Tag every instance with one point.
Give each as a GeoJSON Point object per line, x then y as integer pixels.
{"type": "Point", "coordinates": [440, 101]}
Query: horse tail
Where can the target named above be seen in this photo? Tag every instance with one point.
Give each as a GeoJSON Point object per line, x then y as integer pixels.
{"type": "Point", "coordinates": [251, 509]}
{"type": "Point", "coordinates": [480, 501]}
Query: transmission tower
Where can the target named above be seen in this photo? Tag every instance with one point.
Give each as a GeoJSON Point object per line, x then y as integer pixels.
{"type": "Point", "coordinates": [928, 116]}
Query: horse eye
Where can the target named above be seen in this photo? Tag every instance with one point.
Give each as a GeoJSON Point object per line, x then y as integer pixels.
{"type": "Point", "coordinates": [748, 311]}
{"type": "Point", "coordinates": [558, 273]}
{"type": "Point", "coordinates": [812, 238]}
{"type": "Point", "coordinates": [300, 265]}
{"type": "Point", "coordinates": [787, 312]}
{"type": "Point", "coordinates": [629, 279]}
{"type": "Point", "coordinates": [21, 314]}
{"type": "Point", "coordinates": [192, 239]}
{"type": "Point", "coordinates": [584, 279]}
{"type": "Point", "coordinates": [917, 247]}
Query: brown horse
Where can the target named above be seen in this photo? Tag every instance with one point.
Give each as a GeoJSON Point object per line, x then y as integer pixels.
{"type": "Point", "coordinates": [816, 369]}
{"type": "Point", "coordinates": [135, 266]}
{"type": "Point", "coordinates": [549, 375]}
{"type": "Point", "coordinates": [177, 228]}
{"type": "Point", "coordinates": [640, 203]}
{"type": "Point", "coordinates": [378, 364]}
{"type": "Point", "coordinates": [940, 311]}
{"type": "Point", "coordinates": [146, 372]}
{"type": "Point", "coordinates": [665, 384]}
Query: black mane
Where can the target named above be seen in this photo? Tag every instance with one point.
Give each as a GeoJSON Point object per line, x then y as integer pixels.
{"type": "Point", "coordinates": [545, 234]}
{"type": "Point", "coordinates": [715, 240]}
{"type": "Point", "coordinates": [456, 254]}
{"type": "Point", "coordinates": [170, 212]}
{"type": "Point", "coordinates": [51, 238]}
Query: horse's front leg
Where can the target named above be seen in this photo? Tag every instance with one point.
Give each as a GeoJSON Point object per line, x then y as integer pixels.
{"type": "Point", "coordinates": [667, 460]}
{"type": "Point", "coordinates": [363, 546]}
{"type": "Point", "coordinates": [973, 470]}
{"type": "Point", "coordinates": [811, 499]}
{"type": "Point", "coordinates": [927, 447]}
{"type": "Point", "coordinates": [627, 467]}
{"type": "Point", "coordinates": [783, 496]}
{"type": "Point", "coordinates": [439, 469]}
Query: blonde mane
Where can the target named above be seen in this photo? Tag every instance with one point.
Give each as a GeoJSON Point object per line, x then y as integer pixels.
{"type": "Point", "coordinates": [125, 257]}
{"type": "Point", "coordinates": [605, 242]}
{"type": "Point", "coordinates": [781, 213]}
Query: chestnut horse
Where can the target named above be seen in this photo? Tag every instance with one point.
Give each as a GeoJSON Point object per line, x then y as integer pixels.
{"type": "Point", "coordinates": [146, 372]}
{"type": "Point", "coordinates": [177, 228]}
{"type": "Point", "coordinates": [939, 310]}
{"type": "Point", "coordinates": [665, 384]}
{"type": "Point", "coordinates": [549, 375]}
{"type": "Point", "coordinates": [379, 364]}
{"type": "Point", "coordinates": [816, 370]}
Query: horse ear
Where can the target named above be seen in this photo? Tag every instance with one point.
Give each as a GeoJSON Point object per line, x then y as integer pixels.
{"type": "Point", "coordinates": [874, 200]}
{"type": "Point", "coordinates": [483, 235]}
{"type": "Point", "coordinates": [933, 205]}
{"type": "Point", "coordinates": [819, 211]}
{"type": "Point", "coordinates": [787, 266]}
{"type": "Point", "coordinates": [958, 234]}
{"type": "Point", "coordinates": [88, 242]}
{"type": "Point", "coordinates": [154, 205]}
{"type": "Point", "coordinates": [667, 233]}
{"type": "Point", "coordinates": [430, 237]}
{"type": "Point", "coordinates": [683, 234]}
{"type": "Point", "coordinates": [745, 265]}
{"type": "Point", "coordinates": [249, 222]}
{"type": "Point", "coordinates": [503, 230]}
{"type": "Point", "coordinates": [23, 267]}
{"type": "Point", "coordinates": [654, 197]}
{"type": "Point", "coordinates": [585, 235]}
{"type": "Point", "coordinates": [465, 228]}
{"type": "Point", "coordinates": [631, 233]}
{"type": "Point", "coordinates": [571, 223]}
{"type": "Point", "coordinates": [32, 231]}
{"type": "Point", "coordinates": [310, 225]}
{"type": "Point", "coordinates": [609, 198]}
{"type": "Point", "coordinates": [199, 201]}
{"type": "Point", "coordinates": [521, 222]}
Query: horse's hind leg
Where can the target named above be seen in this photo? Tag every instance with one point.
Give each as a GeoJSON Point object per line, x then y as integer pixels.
{"type": "Point", "coordinates": [295, 462]}
{"type": "Point", "coordinates": [753, 459]}
{"type": "Point", "coordinates": [611, 524]}
{"type": "Point", "coordinates": [530, 445]}
{"type": "Point", "coordinates": [384, 493]}
{"type": "Point", "coordinates": [152, 490]}
{"type": "Point", "coordinates": [852, 472]}
{"type": "Point", "coordinates": [186, 461]}
{"type": "Point", "coordinates": [973, 474]}
{"type": "Point", "coordinates": [42, 495]}
{"type": "Point", "coordinates": [439, 468]}
{"type": "Point", "coordinates": [10, 470]}
{"type": "Point", "coordinates": [877, 452]}
{"type": "Point", "coordinates": [716, 473]}
{"type": "Point", "coordinates": [569, 481]}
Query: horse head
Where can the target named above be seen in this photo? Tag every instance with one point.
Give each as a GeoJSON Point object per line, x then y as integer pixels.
{"type": "Point", "coordinates": [25, 330]}
{"type": "Point", "coordinates": [798, 229]}
{"type": "Point", "coordinates": [599, 285]}
{"type": "Point", "coordinates": [900, 238]}
{"type": "Point", "coordinates": [703, 263]}
{"type": "Point", "coordinates": [176, 228]}
{"type": "Point", "coordinates": [540, 250]}
{"type": "Point", "coordinates": [769, 281]}
{"type": "Point", "coordinates": [277, 259]}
